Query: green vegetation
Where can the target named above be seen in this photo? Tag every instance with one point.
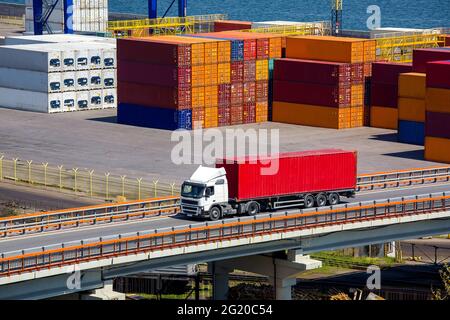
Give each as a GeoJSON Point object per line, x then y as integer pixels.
{"type": "Point", "coordinates": [445, 293]}
{"type": "Point", "coordinates": [8, 212]}
{"type": "Point", "coordinates": [335, 258]}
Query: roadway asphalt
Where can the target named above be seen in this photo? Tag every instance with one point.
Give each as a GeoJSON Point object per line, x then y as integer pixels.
{"type": "Point", "coordinates": [90, 232]}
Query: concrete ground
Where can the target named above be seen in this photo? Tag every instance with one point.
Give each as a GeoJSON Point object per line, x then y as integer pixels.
{"type": "Point", "coordinates": [93, 139]}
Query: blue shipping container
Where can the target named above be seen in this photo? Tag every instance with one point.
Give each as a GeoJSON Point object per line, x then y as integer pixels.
{"type": "Point", "coordinates": [237, 46]}
{"type": "Point", "coordinates": [153, 117]}
{"type": "Point", "coordinates": [411, 132]}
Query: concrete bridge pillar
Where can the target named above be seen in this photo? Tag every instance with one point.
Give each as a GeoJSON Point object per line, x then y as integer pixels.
{"type": "Point", "coordinates": [105, 293]}
{"type": "Point", "coordinates": [281, 272]}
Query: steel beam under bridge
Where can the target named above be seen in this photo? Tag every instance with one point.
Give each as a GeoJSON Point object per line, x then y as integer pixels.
{"type": "Point", "coordinates": [35, 286]}
{"type": "Point", "coordinates": [153, 8]}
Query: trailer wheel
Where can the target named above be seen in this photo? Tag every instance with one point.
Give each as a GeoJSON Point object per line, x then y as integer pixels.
{"type": "Point", "coordinates": [334, 199]}
{"type": "Point", "coordinates": [252, 208]}
{"type": "Point", "coordinates": [321, 200]}
{"type": "Point", "coordinates": [214, 214]}
{"type": "Point", "coordinates": [309, 201]}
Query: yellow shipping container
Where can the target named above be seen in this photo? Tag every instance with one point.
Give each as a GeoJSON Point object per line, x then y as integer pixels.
{"type": "Point", "coordinates": [198, 75]}
{"type": "Point", "coordinates": [198, 97]}
{"type": "Point", "coordinates": [382, 117]}
{"type": "Point", "coordinates": [223, 73]}
{"type": "Point", "coordinates": [198, 118]}
{"type": "Point", "coordinates": [411, 109]}
{"type": "Point", "coordinates": [412, 85]}
{"type": "Point", "coordinates": [275, 47]}
{"type": "Point", "coordinates": [325, 48]}
{"type": "Point", "coordinates": [262, 112]}
{"type": "Point", "coordinates": [357, 116]}
{"type": "Point", "coordinates": [211, 96]}
{"type": "Point", "coordinates": [370, 51]}
{"type": "Point", "coordinates": [309, 115]}
{"type": "Point", "coordinates": [262, 70]}
{"type": "Point", "coordinates": [211, 53]}
{"type": "Point", "coordinates": [224, 51]}
{"type": "Point", "coordinates": [211, 74]}
{"type": "Point", "coordinates": [211, 117]}
{"type": "Point", "coordinates": [437, 149]}
{"type": "Point", "coordinates": [357, 95]}
{"type": "Point", "coordinates": [438, 100]}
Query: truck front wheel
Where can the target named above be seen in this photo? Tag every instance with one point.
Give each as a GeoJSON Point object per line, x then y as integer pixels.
{"type": "Point", "coordinates": [214, 214]}
{"type": "Point", "coordinates": [252, 209]}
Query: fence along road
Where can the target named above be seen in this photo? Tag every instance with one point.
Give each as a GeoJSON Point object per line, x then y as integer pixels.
{"type": "Point", "coordinates": [207, 233]}
{"type": "Point", "coordinates": [165, 206]}
{"type": "Point", "coordinates": [110, 186]}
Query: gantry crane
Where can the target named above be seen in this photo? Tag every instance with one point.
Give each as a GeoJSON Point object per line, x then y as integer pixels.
{"type": "Point", "coordinates": [336, 17]}
{"type": "Point", "coordinates": [153, 8]}
{"type": "Point", "coordinates": [42, 9]}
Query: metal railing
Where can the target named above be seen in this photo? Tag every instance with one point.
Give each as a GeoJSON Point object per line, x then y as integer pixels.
{"type": "Point", "coordinates": [85, 216]}
{"type": "Point", "coordinates": [45, 258]}
{"type": "Point", "coordinates": [395, 179]}
{"type": "Point", "coordinates": [83, 181]}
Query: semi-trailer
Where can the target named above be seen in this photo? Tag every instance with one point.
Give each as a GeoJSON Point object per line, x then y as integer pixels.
{"type": "Point", "coordinates": [250, 185]}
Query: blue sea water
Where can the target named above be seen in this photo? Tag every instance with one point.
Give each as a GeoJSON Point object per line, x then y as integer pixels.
{"type": "Point", "coordinates": [394, 13]}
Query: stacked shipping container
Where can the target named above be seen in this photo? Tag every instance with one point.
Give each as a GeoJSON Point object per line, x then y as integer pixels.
{"type": "Point", "coordinates": [384, 94]}
{"type": "Point", "coordinates": [437, 140]}
{"type": "Point", "coordinates": [231, 25]}
{"type": "Point", "coordinates": [58, 77]}
{"type": "Point", "coordinates": [323, 82]}
{"type": "Point", "coordinates": [411, 107]}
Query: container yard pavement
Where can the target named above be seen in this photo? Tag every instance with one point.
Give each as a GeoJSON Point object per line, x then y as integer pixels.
{"type": "Point", "coordinates": [93, 140]}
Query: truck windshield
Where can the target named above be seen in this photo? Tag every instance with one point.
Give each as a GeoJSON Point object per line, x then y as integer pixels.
{"type": "Point", "coordinates": [192, 190]}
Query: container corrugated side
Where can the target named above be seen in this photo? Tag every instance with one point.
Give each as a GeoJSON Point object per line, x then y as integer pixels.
{"type": "Point", "coordinates": [411, 132]}
{"type": "Point", "coordinates": [438, 74]}
{"type": "Point", "coordinates": [437, 125]}
{"type": "Point", "coordinates": [422, 56]}
{"type": "Point", "coordinates": [315, 171]}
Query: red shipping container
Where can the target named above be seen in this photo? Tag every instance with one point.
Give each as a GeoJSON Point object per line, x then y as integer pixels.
{"type": "Point", "coordinates": [367, 69]}
{"type": "Point", "coordinates": [262, 91]}
{"type": "Point", "coordinates": [249, 70]}
{"type": "Point", "coordinates": [154, 51]}
{"type": "Point", "coordinates": [438, 74]}
{"type": "Point", "coordinates": [236, 113]}
{"type": "Point", "coordinates": [357, 73]}
{"type": "Point", "coordinates": [249, 113]}
{"type": "Point", "coordinates": [224, 115]}
{"type": "Point", "coordinates": [224, 95]}
{"type": "Point", "coordinates": [156, 96]}
{"type": "Point", "coordinates": [262, 42]}
{"type": "Point", "coordinates": [422, 56]}
{"type": "Point", "coordinates": [262, 48]}
{"type": "Point", "coordinates": [230, 25]}
{"type": "Point", "coordinates": [388, 72]}
{"type": "Point", "coordinates": [249, 89]}
{"type": "Point", "coordinates": [237, 94]}
{"type": "Point", "coordinates": [311, 71]}
{"type": "Point", "coordinates": [237, 71]}
{"type": "Point", "coordinates": [313, 94]}
{"type": "Point", "coordinates": [437, 125]}
{"type": "Point", "coordinates": [383, 95]}
{"type": "Point", "coordinates": [298, 173]}
{"type": "Point", "coordinates": [146, 73]}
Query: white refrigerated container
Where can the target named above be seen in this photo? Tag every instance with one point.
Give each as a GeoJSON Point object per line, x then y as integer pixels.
{"type": "Point", "coordinates": [95, 99]}
{"type": "Point", "coordinates": [36, 57]}
{"type": "Point", "coordinates": [95, 79]}
{"type": "Point", "coordinates": [30, 80]}
{"type": "Point", "coordinates": [109, 77]}
{"type": "Point", "coordinates": [30, 100]}
{"type": "Point", "coordinates": [82, 100]}
{"type": "Point", "coordinates": [109, 98]}
{"type": "Point", "coordinates": [69, 100]}
{"type": "Point", "coordinates": [82, 80]}
{"type": "Point", "coordinates": [56, 38]}
{"type": "Point", "coordinates": [69, 81]}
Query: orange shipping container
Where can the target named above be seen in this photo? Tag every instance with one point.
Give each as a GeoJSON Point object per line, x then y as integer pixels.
{"type": "Point", "coordinates": [412, 85]}
{"type": "Point", "coordinates": [262, 111]}
{"type": "Point", "coordinates": [262, 70]}
{"type": "Point", "coordinates": [211, 96]}
{"type": "Point", "coordinates": [211, 117]}
{"type": "Point", "coordinates": [357, 116]}
{"type": "Point", "coordinates": [309, 115]}
{"type": "Point", "coordinates": [438, 100]}
{"type": "Point", "coordinates": [198, 118]}
{"type": "Point", "coordinates": [357, 95]}
{"type": "Point", "coordinates": [382, 117]}
{"type": "Point", "coordinates": [198, 75]}
{"type": "Point", "coordinates": [198, 97]}
{"type": "Point", "coordinates": [411, 109]}
{"type": "Point", "coordinates": [336, 49]}
{"type": "Point", "coordinates": [223, 73]}
{"type": "Point", "coordinates": [211, 74]}
{"type": "Point", "coordinates": [437, 149]}
{"type": "Point", "coordinates": [370, 51]}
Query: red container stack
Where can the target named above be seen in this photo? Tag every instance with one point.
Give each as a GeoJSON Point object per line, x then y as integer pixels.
{"type": "Point", "coordinates": [384, 93]}
{"type": "Point", "coordinates": [422, 56]}
{"type": "Point", "coordinates": [229, 25]}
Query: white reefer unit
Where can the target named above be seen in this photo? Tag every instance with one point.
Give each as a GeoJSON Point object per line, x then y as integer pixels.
{"type": "Point", "coordinates": [82, 80]}
{"type": "Point", "coordinates": [36, 57]}
{"type": "Point", "coordinates": [109, 77]}
{"type": "Point", "coordinates": [109, 98]}
{"type": "Point", "coordinates": [56, 38]}
{"type": "Point", "coordinates": [30, 80]}
{"type": "Point", "coordinates": [31, 100]}
{"type": "Point", "coordinates": [68, 80]}
{"type": "Point", "coordinates": [95, 79]}
{"type": "Point", "coordinates": [69, 101]}
{"type": "Point", "coordinates": [82, 100]}
{"type": "Point", "coordinates": [95, 99]}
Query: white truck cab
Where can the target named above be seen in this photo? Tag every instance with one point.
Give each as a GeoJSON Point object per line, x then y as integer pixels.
{"type": "Point", "coordinates": [207, 188]}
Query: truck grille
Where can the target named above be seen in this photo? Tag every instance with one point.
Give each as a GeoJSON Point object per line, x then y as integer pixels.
{"type": "Point", "coordinates": [191, 202]}
{"type": "Point", "coordinates": [189, 210]}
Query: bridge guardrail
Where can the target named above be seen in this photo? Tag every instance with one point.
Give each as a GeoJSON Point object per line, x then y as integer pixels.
{"type": "Point", "coordinates": [213, 232]}
{"type": "Point", "coordinates": [78, 217]}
